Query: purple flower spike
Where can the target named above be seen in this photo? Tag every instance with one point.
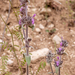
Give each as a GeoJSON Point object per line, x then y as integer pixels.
{"type": "Point", "coordinates": [57, 62]}
{"type": "Point", "coordinates": [34, 15]}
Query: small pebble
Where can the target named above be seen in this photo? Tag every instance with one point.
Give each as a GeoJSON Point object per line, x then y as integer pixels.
{"type": "Point", "coordinates": [41, 26]}
{"type": "Point", "coordinates": [38, 30]}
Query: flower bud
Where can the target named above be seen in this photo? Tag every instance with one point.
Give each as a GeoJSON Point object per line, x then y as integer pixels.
{"type": "Point", "coordinates": [50, 56]}
{"type": "Point", "coordinates": [22, 10]}
{"type": "Point", "coordinates": [64, 43]}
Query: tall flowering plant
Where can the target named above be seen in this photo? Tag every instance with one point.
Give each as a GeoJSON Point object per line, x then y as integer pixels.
{"type": "Point", "coordinates": [26, 21]}
{"type": "Point", "coordinates": [57, 61]}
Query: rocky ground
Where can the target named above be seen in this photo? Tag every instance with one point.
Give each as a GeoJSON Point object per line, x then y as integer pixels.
{"type": "Point", "coordinates": [60, 16]}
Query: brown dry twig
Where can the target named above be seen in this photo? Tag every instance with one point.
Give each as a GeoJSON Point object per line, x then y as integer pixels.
{"type": "Point", "coordinates": [5, 25]}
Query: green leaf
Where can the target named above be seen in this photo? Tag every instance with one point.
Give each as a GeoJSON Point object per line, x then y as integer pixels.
{"type": "Point", "coordinates": [30, 53]}
{"type": "Point", "coordinates": [16, 45]}
{"type": "Point", "coordinates": [49, 72]}
{"type": "Point", "coordinates": [5, 47]}
{"type": "Point", "coordinates": [8, 73]}
{"type": "Point", "coordinates": [53, 30]}
{"type": "Point", "coordinates": [22, 52]}
{"type": "Point", "coordinates": [70, 1]}
{"type": "Point", "coordinates": [23, 63]}
{"type": "Point", "coordinates": [64, 53]}
{"type": "Point", "coordinates": [56, 69]}
{"type": "Point", "coordinates": [47, 30]}
{"type": "Point", "coordinates": [19, 67]}
{"type": "Point", "coordinates": [32, 27]}
{"type": "Point", "coordinates": [28, 59]}
{"type": "Point", "coordinates": [44, 64]}
{"type": "Point", "coordinates": [1, 42]}
{"type": "Point", "coordinates": [39, 68]}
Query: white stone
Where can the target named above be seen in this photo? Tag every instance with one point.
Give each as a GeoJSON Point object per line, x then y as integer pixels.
{"type": "Point", "coordinates": [37, 30]}
{"type": "Point", "coordinates": [1, 41]}
{"type": "Point", "coordinates": [39, 53]}
{"type": "Point", "coordinates": [50, 26]}
{"type": "Point", "coordinates": [47, 70]}
{"type": "Point", "coordinates": [9, 62]}
{"type": "Point", "coordinates": [3, 54]}
{"type": "Point", "coordinates": [57, 1]}
{"type": "Point", "coordinates": [56, 39]}
{"type": "Point", "coordinates": [37, 36]}
{"type": "Point", "coordinates": [44, 10]}
{"type": "Point", "coordinates": [31, 71]}
{"type": "Point", "coordinates": [74, 42]}
{"type": "Point", "coordinates": [73, 45]}
{"type": "Point", "coordinates": [8, 34]}
{"type": "Point", "coordinates": [41, 26]}
{"type": "Point", "coordinates": [34, 9]}
{"type": "Point", "coordinates": [56, 29]}
{"type": "Point", "coordinates": [72, 32]}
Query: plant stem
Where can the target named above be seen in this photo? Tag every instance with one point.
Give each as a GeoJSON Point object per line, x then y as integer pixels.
{"type": "Point", "coordinates": [51, 69]}
{"type": "Point", "coordinates": [59, 71]}
{"type": "Point", "coordinates": [59, 66]}
{"type": "Point", "coordinates": [27, 43]}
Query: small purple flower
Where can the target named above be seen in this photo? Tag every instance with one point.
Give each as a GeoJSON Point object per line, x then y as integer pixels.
{"type": "Point", "coordinates": [33, 18]}
{"type": "Point", "coordinates": [34, 15]}
{"type": "Point", "coordinates": [60, 51]}
{"type": "Point", "coordinates": [32, 21]}
{"type": "Point", "coordinates": [58, 58]}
